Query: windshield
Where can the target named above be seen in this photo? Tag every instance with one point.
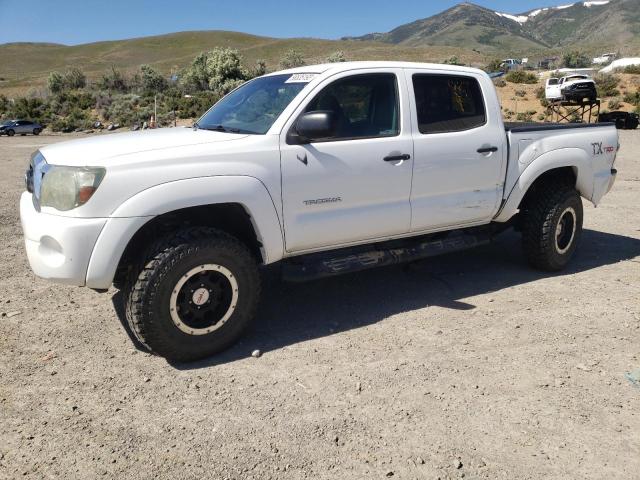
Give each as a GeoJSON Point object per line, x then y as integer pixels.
{"type": "Point", "coordinates": [6, 124]}
{"type": "Point", "coordinates": [255, 106]}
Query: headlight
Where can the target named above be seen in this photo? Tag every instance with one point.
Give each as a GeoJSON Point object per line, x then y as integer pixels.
{"type": "Point", "coordinates": [65, 188]}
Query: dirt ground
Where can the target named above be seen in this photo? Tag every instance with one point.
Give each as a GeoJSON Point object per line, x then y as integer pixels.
{"type": "Point", "coordinates": [470, 365]}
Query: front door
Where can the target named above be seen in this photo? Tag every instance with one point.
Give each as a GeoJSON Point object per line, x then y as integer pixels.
{"type": "Point", "coordinates": [354, 186]}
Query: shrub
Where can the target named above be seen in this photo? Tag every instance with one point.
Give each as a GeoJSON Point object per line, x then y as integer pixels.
{"type": "Point", "coordinates": [151, 81]}
{"type": "Point", "coordinates": [526, 116]}
{"type": "Point", "coordinates": [337, 57]}
{"type": "Point", "coordinates": [499, 83]}
{"type": "Point", "coordinates": [607, 85]}
{"type": "Point", "coordinates": [521, 93]}
{"type": "Point", "coordinates": [576, 59]}
{"type": "Point", "coordinates": [633, 98]}
{"type": "Point", "coordinates": [614, 104]}
{"type": "Point", "coordinates": [71, 80]}
{"type": "Point", "coordinates": [453, 61]}
{"type": "Point", "coordinates": [494, 65]}
{"type": "Point", "coordinates": [540, 93]}
{"type": "Point", "coordinates": [632, 69]}
{"type": "Point", "coordinates": [114, 81]}
{"type": "Point", "coordinates": [259, 69]}
{"type": "Point", "coordinates": [292, 59]}
{"type": "Point", "coordinates": [520, 76]}
{"type": "Point", "coordinates": [73, 120]}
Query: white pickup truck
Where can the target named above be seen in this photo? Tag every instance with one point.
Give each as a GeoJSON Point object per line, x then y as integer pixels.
{"type": "Point", "coordinates": [572, 88]}
{"type": "Point", "coordinates": [326, 169]}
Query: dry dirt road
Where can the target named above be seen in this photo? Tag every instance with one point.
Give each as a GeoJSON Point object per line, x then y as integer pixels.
{"type": "Point", "coordinates": [469, 365]}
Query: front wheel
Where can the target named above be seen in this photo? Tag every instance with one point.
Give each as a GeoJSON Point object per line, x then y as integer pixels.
{"type": "Point", "coordinates": [11, 133]}
{"type": "Point", "coordinates": [552, 226]}
{"type": "Point", "coordinates": [195, 295]}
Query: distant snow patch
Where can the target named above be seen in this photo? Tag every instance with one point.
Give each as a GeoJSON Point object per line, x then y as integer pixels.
{"type": "Point", "coordinates": [519, 18]}
{"type": "Point", "coordinates": [523, 18]}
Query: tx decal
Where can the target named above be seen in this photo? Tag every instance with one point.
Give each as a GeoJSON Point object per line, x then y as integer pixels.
{"type": "Point", "coordinates": [598, 149]}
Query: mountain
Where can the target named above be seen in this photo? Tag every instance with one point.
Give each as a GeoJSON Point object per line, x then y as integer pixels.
{"type": "Point", "coordinates": [589, 25]}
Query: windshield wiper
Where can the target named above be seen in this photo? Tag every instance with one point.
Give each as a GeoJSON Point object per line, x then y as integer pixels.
{"type": "Point", "coordinates": [222, 128]}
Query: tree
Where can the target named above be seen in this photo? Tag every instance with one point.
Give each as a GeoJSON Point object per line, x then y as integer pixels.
{"type": "Point", "coordinates": [55, 82]}
{"type": "Point", "coordinates": [151, 81]}
{"type": "Point", "coordinates": [292, 59]}
{"type": "Point", "coordinates": [219, 70]}
{"type": "Point", "coordinates": [114, 81]}
{"type": "Point", "coordinates": [225, 70]}
{"type": "Point", "coordinates": [337, 57]}
{"type": "Point", "coordinates": [75, 79]}
{"type": "Point", "coordinates": [576, 59]}
{"type": "Point", "coordinates": [260, 68]}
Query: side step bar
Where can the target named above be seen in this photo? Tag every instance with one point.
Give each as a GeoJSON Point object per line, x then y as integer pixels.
{"type": "Point", "coordinates": [320, 265]}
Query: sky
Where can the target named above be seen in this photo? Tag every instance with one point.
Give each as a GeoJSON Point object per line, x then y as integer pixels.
{"type": "Point", "coordinates": [73, 22]}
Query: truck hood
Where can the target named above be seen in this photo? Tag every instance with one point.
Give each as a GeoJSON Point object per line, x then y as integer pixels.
{"type": "Point", "coordinates": [93, 150]}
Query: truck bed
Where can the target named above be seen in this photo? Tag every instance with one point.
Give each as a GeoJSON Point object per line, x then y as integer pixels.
{"type": "Point", "coordinates": [520, 127]}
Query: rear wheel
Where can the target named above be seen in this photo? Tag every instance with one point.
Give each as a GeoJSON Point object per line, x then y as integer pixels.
{"type": "Point", "coordinates": [552, 226]}
{"type": "Point", "coordinates": [195, 295]}
{"type": "Point", "coordinates": [36, 131]}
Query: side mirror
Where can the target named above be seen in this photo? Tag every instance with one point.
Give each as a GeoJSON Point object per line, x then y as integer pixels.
{"type": "Point", "coordinates": [312, 126]}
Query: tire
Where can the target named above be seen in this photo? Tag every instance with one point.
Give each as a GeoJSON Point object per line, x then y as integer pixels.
{"type": "Point", "coordinates": [552, 226]}
{"type": "Point", "coordinates": [164, 311]}
{"type": "Point", "coordinates": [11, 133]}
{"type": "Point", "coordinates": [36, 131]}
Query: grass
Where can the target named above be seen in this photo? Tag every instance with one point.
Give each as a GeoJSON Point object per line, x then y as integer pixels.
{"type": "Point", "coordinates": [27, 65]}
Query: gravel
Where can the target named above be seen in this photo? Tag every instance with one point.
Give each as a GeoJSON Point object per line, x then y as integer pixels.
{"type": "Point", "coordinates": [471, 364]}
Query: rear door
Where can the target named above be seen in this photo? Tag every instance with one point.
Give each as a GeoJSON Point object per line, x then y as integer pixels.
{"type": "Point", "coordinates": [24, 126]}
{"type": "Point", "coordinates": [552, 89]}
{"type": "Point", "coordinates": [352, 187]}
{"type": "Point", "coordinates": [459, 150]}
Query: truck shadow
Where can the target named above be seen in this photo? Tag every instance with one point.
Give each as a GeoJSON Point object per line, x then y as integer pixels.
{"type": "Point", "coordinates": [291, 313]}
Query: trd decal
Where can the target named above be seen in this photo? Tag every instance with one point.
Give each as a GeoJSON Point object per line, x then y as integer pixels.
{"type": "Point", "coordinates": [609, 149]}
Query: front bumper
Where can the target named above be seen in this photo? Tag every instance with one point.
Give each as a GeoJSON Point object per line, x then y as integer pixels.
{"type": "Point", "coordinates": [58, 248]}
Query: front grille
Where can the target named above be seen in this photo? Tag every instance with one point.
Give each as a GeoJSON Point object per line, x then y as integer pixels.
{"type": "Point", "coordinates": [28, 178]}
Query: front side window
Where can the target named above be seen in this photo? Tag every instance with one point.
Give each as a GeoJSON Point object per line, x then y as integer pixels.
{"type": "Point", "coordinates": [365, 106]}
{"type": "Point", "coordinates": [448, 103]}
{"type": "Point", "coordinates": [255, 106]}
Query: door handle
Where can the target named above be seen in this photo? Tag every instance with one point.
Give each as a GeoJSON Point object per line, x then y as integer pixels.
{"type": "Point", "coordinates": [397, 158]}
{"type": "Point", "coordinates": [487, 149]}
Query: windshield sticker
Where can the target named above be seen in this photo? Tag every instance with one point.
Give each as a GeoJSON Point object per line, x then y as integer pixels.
{"type": "Point", "coordinates": [301, 77]}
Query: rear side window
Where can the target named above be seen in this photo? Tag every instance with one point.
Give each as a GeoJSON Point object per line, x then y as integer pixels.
{"type": "Point", "coordinates": [366, 106]}
{"type": "Point", "coordinates": [448, 103]}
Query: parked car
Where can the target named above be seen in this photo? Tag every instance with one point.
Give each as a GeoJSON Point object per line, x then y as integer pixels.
{"type": "Point", "coordinates": [572, 88]}
{"type": "Point", "coordinates": [324, 170]}
{"type": "Point", "coordinates": [510, 64]}
{"type": "Point", "coordinates": [20, 127]}
{"type": "Point", "coordinates": [623, 120]}
{"type": "Point", "coordinates": [604, 59]}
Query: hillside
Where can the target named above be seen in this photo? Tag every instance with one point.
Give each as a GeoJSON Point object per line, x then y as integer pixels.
{"type": "Point", "coordinates": [25, 65]}
{"type": "Point", "coordinates": [593, 26]}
